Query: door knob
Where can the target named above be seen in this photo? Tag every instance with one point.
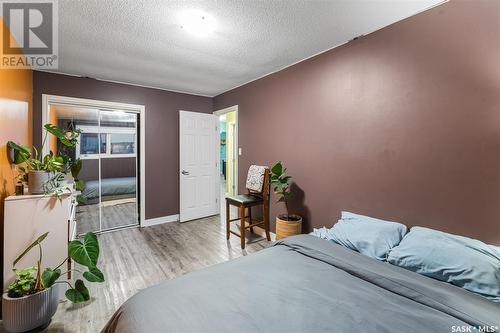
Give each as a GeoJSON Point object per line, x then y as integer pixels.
{"type": "Point", "coordinates": [185, 173]}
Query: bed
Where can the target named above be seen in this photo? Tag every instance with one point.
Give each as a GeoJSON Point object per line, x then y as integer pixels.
{"type": "Point", "coordinates": [111, 189]}
{"type": "Point", "coordinates": [304, 284]}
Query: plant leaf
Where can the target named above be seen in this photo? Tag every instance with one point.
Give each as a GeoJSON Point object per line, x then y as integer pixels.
{"type": "Point", "coordinates": [32, 245]}
{"type": "Point", "coordinates": [78, 294]}
{"type": "Point", "coordinates": [21, 153]}
{"type": "Point", "coordinates": [80, 185]}
{"type": "Point", "coordinates": [76, 167]}
{"type": "Point", "coordinates": [58, 133]}
{"type": "Point", "coordinates": [86, 253]}
{"type": "Point", "coordinates": [81, 199]}
{"type": "Point", "coordinates": [94, 275]}
{"type": "Point", "coordinates": [50, 276]}
{"type": "Point", "coordinates": [277, 169]}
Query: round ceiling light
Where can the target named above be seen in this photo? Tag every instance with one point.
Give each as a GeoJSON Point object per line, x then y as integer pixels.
{"type": "Point", "coordinates": [197, 22]}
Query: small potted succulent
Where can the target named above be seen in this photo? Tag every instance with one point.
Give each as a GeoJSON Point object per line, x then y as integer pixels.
{"type": "Point", "coordinates": [32, 299]}
{"type": "Point", "coordinates": [286, 224]}
{"type": "Point", "coordinates": [43, 172]}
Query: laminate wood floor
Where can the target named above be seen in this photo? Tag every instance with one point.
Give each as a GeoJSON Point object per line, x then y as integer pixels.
{"type": "Point", "coordinates": [113, 215]}
{"type": "Point", "coordinates": [134, 259]}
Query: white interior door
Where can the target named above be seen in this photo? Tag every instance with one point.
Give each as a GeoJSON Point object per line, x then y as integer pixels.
{"type": "Point", "coordinates": [198, 156]}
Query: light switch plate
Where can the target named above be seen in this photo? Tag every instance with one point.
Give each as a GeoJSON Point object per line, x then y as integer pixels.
{"type": "Point", "coordinates": [239, 151]}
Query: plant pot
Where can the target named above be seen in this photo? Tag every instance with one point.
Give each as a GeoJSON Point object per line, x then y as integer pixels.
{"type": "Point", "coordinates": [290, 227]}
{"type": "Point", "coordinates": [29, 312]}
{"type": "Point", "coordinates": [36, 181]}
{"type": "Point", "coordinates": [68, 180]}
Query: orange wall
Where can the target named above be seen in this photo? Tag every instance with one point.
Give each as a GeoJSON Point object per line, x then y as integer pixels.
{"type": "Point", "coordinates": [16, 92]}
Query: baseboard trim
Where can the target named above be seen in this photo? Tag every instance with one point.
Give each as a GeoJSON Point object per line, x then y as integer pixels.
{"type": "Point", "coordinates": [261, 232]}
{"type": "Point", "coordinates": [161, 220]}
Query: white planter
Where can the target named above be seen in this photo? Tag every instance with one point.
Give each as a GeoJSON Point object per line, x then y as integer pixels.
{"type": "Point", "coordinates": [36, 181]}
{"type": "Point", "coordinates": [29, 312]}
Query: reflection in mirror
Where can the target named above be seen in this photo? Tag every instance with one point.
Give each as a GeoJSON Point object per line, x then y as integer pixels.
{"type": "Point", "coordinates": [107, 148]}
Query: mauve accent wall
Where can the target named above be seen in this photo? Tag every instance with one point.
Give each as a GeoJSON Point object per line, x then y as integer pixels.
{"type": "Point", "coordinates": [162, 129]}
{"type": "Point", "coordinates": [403, 124]}
{"type": "Point", "coordinates": [110, 168]}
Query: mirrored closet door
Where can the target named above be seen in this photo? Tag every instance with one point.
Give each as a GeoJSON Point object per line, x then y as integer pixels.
{"type": "Point", "coordinates": [108, 150]}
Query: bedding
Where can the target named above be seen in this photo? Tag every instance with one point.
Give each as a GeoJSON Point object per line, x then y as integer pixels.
{"type": "Point", "coordinates": [110, 187]}
{"type": "Point", "coordinates": [462, 261]}
{"type": "Point", "coordinates": [303, 284]}
{"type": "Point", "coordinates": [367, 235]}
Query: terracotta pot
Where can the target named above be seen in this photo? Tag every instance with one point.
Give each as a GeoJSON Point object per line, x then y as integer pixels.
{"type": "Point", "coordinates": [285, 228]}
{"type": "Point", "coordinates": [36, 180]}
{"type": "Point", "coordinates": [29, 312]}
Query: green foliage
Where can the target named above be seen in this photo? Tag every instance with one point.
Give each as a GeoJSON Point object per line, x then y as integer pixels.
{"type": "Point", "coordinates": [81, 199]}
{"type": "Point", "coordinates": [281, 183]}
{"type": "Point", "coordinates": [94, 275]}
{"type": "Point", "coordinates": [50, 276]}
{"type": "Point", "coordinates": [76, 167]}
{"type": "Point", "coordinates": [24, 284]}
{"type": "Point", "coordinates": [80, 185]}
{"type": "Point", "coordinates": [67, 137]}
{"type": "Point", "coordinates": [79, 293]}
{"type": "Point", "coordinates": [32, 245]}
{"type": "Point", "coordinates": [50, 163]}
{"type": "Point", "coordinates": [85, 253]}
{"type": "Point", "coordinates": [21, 153]}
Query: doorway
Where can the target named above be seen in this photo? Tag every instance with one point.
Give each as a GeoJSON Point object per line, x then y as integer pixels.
{"type": "Point", "coordinates": [228, 154]}
{"type": "Point", "coordinates": [110, 149]}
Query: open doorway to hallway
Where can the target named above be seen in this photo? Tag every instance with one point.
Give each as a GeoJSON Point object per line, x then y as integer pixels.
{"type": "Point", "coordinates": [228, 154]}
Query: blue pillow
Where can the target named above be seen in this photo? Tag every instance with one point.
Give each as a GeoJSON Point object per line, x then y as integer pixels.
{"type": "Point", "coordinates": [462, 261]}
{"type": "Point", "coordinates": [367, 235]}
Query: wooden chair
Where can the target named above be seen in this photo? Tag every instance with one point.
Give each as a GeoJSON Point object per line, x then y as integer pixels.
{"type": "Point", "coordinates": [258, 194]}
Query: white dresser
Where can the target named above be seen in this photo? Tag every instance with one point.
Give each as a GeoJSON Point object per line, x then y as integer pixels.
{"type": "Point", "coordinates": [29, 216]}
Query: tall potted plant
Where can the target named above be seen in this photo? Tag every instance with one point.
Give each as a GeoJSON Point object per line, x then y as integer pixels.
{"type": "Point", "coordinates": [32, 299]}
{"type": "Point", "coordinates": [43, 172]}
{"type": "Point", "coordinates": [286, 224]}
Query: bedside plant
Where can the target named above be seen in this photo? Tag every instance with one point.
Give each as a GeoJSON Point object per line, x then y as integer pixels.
{"type": "Point", "coordinates": [33, 292]}
{"type": "Point", "coordinates": [286, 224]}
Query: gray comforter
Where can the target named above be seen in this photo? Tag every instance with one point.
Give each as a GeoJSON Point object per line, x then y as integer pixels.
{"type": "Point", "coordinates": [303, 284]}
{"type": "Point", "coordinates": [109, 187]}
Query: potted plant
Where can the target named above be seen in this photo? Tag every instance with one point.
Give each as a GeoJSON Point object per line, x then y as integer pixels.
{"type": "Point", "coordinates": [286, 224]}
{"type": "Point", "coordinates": [43, 172]}
{"type": "Point", "coordinates": [32, 299]}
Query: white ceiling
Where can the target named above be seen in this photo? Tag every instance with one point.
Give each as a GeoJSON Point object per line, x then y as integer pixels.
{"type": "Point", "coordinates": [142, 42]}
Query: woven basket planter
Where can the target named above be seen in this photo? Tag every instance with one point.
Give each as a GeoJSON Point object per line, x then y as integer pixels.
{"type": "Point", "coordinates": [29, 312]}
{"type": "Point", "coordinates": [286, 228]}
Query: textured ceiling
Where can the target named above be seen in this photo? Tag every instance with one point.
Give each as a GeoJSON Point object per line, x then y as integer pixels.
{"type": "Point", "coordinates": [142, 42]}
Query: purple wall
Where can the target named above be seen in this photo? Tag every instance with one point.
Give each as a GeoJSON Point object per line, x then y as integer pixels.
{"type": "Point", "coordinates": [162, 137]}
{"type": "Point", "coordinates": [402, 124]}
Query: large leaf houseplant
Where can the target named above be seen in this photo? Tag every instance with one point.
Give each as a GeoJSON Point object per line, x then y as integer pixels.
{"type": "Point", "coordinates": [34, 292]}
{"type": "Point", "coordinates": [286, 224]}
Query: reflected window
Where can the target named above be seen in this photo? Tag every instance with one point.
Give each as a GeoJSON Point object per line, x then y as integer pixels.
{"type": "Point", "coordinates": [122, 143]}
{"type": "Point", "coordinates": [89, 143]}
{"type": "Point", "coordinates": [114, 142]}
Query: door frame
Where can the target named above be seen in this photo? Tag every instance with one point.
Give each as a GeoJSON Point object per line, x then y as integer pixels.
{"type": "Point", "coordinates": [136, 108]}
{"type": "Point", "coordinates": [234, 109]}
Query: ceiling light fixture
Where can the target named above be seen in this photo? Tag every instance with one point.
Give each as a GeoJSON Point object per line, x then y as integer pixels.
{"type": "Point", "coordinates": [197, 22]}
